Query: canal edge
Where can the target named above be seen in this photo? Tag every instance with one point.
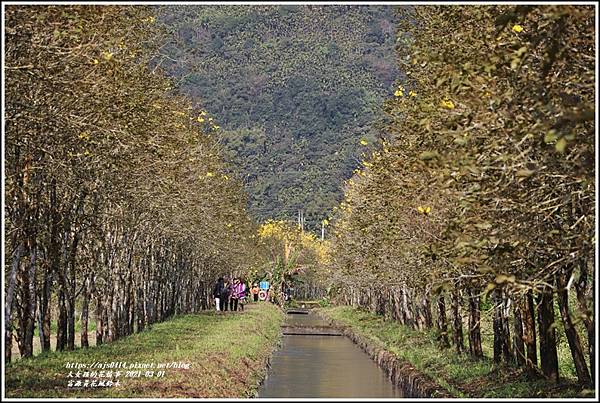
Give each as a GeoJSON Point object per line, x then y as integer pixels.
{"type": "Point", "coordinates": [401, 373]}
{"type": "Point", "coordinates": [267, 361]}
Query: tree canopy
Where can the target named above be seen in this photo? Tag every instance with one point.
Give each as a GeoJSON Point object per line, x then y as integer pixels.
{"type": "Point", "coordinates": [117, 189]}
{"type": "Point", "coordinates": [486, 180]}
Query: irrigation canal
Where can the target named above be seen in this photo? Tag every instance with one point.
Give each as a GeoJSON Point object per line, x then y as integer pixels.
{"type": "Point", "coordinates": [317, 361]}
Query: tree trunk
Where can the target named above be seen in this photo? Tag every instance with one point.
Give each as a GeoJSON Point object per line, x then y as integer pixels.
{"type": "Point", "coordinates": [112, 313]}
{"type": "Point", "coordinates": [586, 306]}
{"type": "Point", "coordinates": [518, 338]}
{"type": "Point", "coordinates": [442, 323]}
{"type": "Point", "coordinates": [99, 319]}
{"type": "Point", "coordinates": [408, 317]}
{"type": "Point", "coordinates": [125, 310]}
{"type": "Point", "coordinates": [70, 323]}
{"type": "Point", "coordinates": [427, 312]}
{"type": "Point", "coordinates": [85, 311]}
{"type": "Point", "coordinates": [44, 311]}
{"type": "Point", "coordinates": [54, 262]}
{"type": "Point", "coordinates": [457, 335]}
{"type": "Point", "coordinates": [529, 334]}
{"type": "Point", "coordinates": [8, 305]}
{"type": "Point", "coordinates": [548, 353]}
{"type": "Point", "coordinates": [475, 348]}
{"type": "Point", "coordinates": [105, 321]}
{"type": "Point", "coordinates": [141, 317]}
{"type": "Point", "coordinates": [39, 320]}
{"type": "Point", "coordinates": [202, 304]}
{"type": "Point", "coordinates": [572, 335]}
{"type": "Point", "coordinates": [127, 295]}
{"type": "Point", "coordinates": [506, 342]}
{"type": "Point", "coordinates": [591, 351]}
{"type": "Point", "coordinates": [132, 310]}
{"type": "Point", "coordinates": [29, 305]}
{"type": "Point", "coordinates": [71, 292]}
{"type": "Point", "coordinates": [61, 325]}
{"type": "Point", "coordinates": [497, 325]}
{"type": "Point", "coordinates": [387, 312]}
{"type": "Point", "coordinates": [398, 306]}
{"type": "Point", "coordinates": [378, 299]}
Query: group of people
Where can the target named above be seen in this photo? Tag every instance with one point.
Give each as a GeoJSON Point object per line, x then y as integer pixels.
{"type": "Point", "coordinates": [229, 295]}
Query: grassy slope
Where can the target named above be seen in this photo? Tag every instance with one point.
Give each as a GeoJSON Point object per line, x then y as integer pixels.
{"type": "Point", "coordinates": [227, 354]}
{"type": "Point", "coordinates": [460, 375]}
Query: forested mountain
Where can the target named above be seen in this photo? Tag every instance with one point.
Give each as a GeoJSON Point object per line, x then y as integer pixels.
{"type": "Point", "coordinates": [296, 90]}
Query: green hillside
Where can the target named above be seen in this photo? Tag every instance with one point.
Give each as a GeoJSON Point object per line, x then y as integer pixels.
{"type": "Point", "coordinates": [295, 89]}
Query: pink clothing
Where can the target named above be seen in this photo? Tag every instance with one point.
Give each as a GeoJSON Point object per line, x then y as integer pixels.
{"type": "Point", "coordinates": [239, 290]}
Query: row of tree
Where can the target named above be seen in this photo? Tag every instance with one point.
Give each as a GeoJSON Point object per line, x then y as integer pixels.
{"type": "Point", "coordinates": [118, 200]}
{"type": "Point", "coordinates": [483, 189]}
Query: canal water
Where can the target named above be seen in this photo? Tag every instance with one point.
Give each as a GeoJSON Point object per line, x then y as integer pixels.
{"type": "Point", "coordinates": [308, 366]}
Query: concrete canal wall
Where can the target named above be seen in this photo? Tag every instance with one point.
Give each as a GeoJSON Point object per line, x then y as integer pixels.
{"type": "Point", "coordinates": [401, 373]}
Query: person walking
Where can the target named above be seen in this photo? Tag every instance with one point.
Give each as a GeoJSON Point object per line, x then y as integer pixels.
{"type": "Point", "coordinates": [217, 291]}
{"type": "Point", "coordinates": [234, 298]}
{"type": "Point", "coordinates": [254, 291]}
{"type": "Point", "coordinates": [225, 295]}
{"type": "Point", "coordinates": [242, 294]}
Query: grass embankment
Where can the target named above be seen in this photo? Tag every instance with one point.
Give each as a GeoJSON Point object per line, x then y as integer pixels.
{"type": "Point", "coordinates": [227, 356]}
{"type": "Point", "coordinates": [460, 375]}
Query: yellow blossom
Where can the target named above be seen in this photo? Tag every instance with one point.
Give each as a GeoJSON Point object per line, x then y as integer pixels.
{"type": "Point", "coordinates": [363, 142]}
{"type": "Point", "coordinates": [446, 103]}
{"type": "Point", "coordinates": [209, 174]}
{"type": "Point", "coordinates": [517, 28]}
{"type": "Point", "coordinates": [273, 229]}
{"type": "Point", "coordinates": [201, 120]}
{"type": "Point", "coordinates": [424, 210]}
{"type": "Point", "coordinates": [412, 94]}
{"type": "Point", "coordinates": [398, 93]}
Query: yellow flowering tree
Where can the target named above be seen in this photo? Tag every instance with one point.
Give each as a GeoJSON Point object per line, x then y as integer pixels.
{"type": "Point", "coordinates": [484, 189]}
{"type": "Point", "coordinates": [291, 250]}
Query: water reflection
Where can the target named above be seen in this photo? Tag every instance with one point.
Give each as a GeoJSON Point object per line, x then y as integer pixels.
{"type": "Point", "coordinates": [304, 320]}
{"type": "Point", "coordinates": [323, 366]}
